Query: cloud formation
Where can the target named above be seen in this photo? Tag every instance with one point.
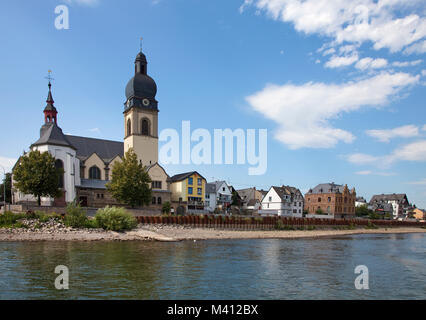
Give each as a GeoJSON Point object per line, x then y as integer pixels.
{"type": "Point", "coordinates": [303, 112]}
{"type": "Point", "coordinates": [357, 21]}
{"type": "Point", "coordinates": [385, 135]}
{"type": "Point", "coordinates": [7, 164]}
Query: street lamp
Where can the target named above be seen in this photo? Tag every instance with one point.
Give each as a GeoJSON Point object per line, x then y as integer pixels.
{"type": "Point", "coordinates": [4, 189]}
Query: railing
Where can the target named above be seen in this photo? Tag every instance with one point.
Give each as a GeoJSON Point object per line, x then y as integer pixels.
{"type": "Point", "coordinates": [267, 223]}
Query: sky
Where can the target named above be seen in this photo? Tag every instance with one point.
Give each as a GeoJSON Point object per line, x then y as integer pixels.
{"type": "Point", "coordinates": [339, 85]}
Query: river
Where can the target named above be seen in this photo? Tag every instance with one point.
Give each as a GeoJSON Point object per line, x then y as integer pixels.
{"type": "Point", "coordinates": [320, 268]}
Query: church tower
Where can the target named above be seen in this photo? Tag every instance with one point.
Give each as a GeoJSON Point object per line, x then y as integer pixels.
{"type": "Point", "coordinates": [141, 114]}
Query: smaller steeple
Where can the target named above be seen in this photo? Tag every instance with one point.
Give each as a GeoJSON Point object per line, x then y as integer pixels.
{"type": "Point", "coordinates": [50, 112]}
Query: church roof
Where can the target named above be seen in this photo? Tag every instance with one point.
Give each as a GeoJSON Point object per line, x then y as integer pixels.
{"type": "Point", "coordinates": [52, 135]}
{"type": "Point", "coordinates": [107, 150]}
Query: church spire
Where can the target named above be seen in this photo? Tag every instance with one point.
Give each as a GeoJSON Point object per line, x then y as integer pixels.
{"type": "Point", "coordinates": [140, 62]}
{"type": "Point", "coordinates": [50, 112]}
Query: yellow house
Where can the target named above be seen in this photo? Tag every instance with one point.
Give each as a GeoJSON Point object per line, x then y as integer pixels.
{"type": "Point", "coordinates": [188, 189]}
{"type": "Point", "coordinates": [419, 214]}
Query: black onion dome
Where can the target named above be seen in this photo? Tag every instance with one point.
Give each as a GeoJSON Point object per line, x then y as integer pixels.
{"type": "Point", "coordinates": [141, 85]}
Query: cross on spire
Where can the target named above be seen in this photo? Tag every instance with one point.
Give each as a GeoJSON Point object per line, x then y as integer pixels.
{"type": "Point", "coordinates": [49, 77]}
{"type": "Point", "coordinates": [140, 43]}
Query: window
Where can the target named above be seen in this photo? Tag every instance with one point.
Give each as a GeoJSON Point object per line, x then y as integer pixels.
{"type": "Point", "coordinates": [159, 200]}
{"type": "Point", "coordinates": [59, 165]}
{"type": "Point", "coordinates": [207, 196]}
{"type": "Point", "coordinates": [199, 191]}
{"type": "Point", "coordinates": [270, 199]}
{"type": "Point", "coordinates": [153, 200]}
{"type": "Point", "coordinates": [190, 181]}
{"type": "Point", "coordinates": [145, 127]}
{"type": "Point", "coordinates": [319, 199]}
{"type": "Point", "coordinates": [200, 182]}
{"type": "Point", "coordinates": [129, 127]}
{"type": "Point", "coordinates": [329, 199]}
{"type": "Point", "coordinates": [190, 190]}
{"type": "Point", "coordinates": [156, 184]}
{"type": "Point", "coordinates": [94, 173]}
{"type": "Point", "coordinates": [223, 189]}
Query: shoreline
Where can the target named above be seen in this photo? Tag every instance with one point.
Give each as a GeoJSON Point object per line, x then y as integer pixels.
{"type": "Point", "coordinates": [174, 234]}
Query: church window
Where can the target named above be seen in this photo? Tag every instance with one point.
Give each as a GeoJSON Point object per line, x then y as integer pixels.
{"type": "Point", "coordinates": [153, 200]}
{"type": "Point", "coordinates": [59, 165]}
{"type": "Point", "coordinates": [129, 127]}
{"type": "Point", "coordinates": [94, 173]}
{"type": "Point", "coordinates": [159, 200]}
{"type": "Point", "coordinates": [145, 127]}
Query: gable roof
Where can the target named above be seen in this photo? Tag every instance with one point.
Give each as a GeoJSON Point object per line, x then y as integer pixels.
{"type": "Point", "coordinates": [284, 191]}
{"type": "Point", "coordinates": [107, 150]}
{"type": "Point", "coordinates": [400, 197]}
{"type": "Point", "coordinates": [183, 176]}
{"type": "Point", "coordinates": [210, 188]}
{"type": "Point", "coordinates": [52, 135]}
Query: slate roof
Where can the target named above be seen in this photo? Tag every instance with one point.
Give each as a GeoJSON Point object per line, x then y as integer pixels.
{"type": "Point", "coordinates": [401, 197]}
{"type": "Point", "coordinates": [286, 191]}
{"type": "Point", "coordinates": [92, 184]}
{"type": "Point", "coordinates": [210, 188]}
{"type": "Point", "coordinates": [53, 135]}
{"type": "Point", "coordinates": [327, 188]}
{"type": "Point", "coordinates": [183, 176]}
{"type": "Point", "coordinates": [107, 150]}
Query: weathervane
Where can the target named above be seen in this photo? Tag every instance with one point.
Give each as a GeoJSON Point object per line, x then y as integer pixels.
{"type": "Point", "coordinates": [49, 76]}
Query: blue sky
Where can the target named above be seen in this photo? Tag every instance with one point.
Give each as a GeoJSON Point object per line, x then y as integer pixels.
{"type": "Point", "coordinates": [339, 86]}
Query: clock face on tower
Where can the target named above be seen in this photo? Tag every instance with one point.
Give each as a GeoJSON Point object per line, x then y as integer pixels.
{"type": "Point", "coordinates": [145, 102]}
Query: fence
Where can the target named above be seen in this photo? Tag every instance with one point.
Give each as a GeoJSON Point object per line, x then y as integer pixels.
{"type": "Point", "coordinates": [267, 223]}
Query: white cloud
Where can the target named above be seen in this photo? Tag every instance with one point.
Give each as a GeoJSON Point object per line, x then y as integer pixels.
{"type": "Point", "coordinates": [420, 182]}
{"type": "Point", "coordinates": [90, 3]}
{"type": "Point", "coordinates": [415, 151]}
{"type": "Point", "coordinates": [95, 130]}
{"type": "Point", "coordinates": [357, 21]}
{"type": "Point", "coordinates": [7, 164]}
{"type": "Point", "coordinates": [400, 132]}
{"type": "Point", "coordinates": [406, 63]}
{"type": "Point", "coordinates": [424, 128]}
{"type": "Point", "coordinates": [370, 63]}
{"type": "Point", "coordinates": [419, 47]}
{"type": "Point", "coordinates": [303, 111]}
{"type": "Point", "coordinates": [336, 62]}
{"type": "Point", "coordinates": [369, 173]}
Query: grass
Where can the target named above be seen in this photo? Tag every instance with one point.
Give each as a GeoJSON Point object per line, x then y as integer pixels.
{"type": "Point", "coordinates": [10, 220]}
{"type": "Point", "coordinates": [371, 225]}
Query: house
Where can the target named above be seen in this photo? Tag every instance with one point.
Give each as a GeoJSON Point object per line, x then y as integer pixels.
{"type": "Point", "coordinates": [419, 214]}
{"type": "Point", "coordinates": [236, 199]}
{"type": "Point", "coordinates": [188, 192]}
{"type": "Point", "coordinates": [250, 197]}
{"type": "Point", "coordinates": [283, 201]}
{"type": "Point", "coordinates": [331, 199]}
{"type": "Point", "coordinates": [218, 196]}
{"type": "Point", "coordinates": [360, 201]}
{"type": "Point", "coordinates": [399, 202]}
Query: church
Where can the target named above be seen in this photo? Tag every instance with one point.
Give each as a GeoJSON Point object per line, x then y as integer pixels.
{"type": "Point", "coordinates": [87, 162]}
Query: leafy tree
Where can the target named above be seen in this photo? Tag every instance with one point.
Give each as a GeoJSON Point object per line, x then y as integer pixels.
{"type": "Point", "coordinates": [8, 182]}
{"type": "Point", "coordinates": [36, 174]}
{"type": "Point", "coordinates": [363, 211]}
{"type": "Point", "coordinates": [166, 207]}
{"type": "Point", "coordinates": [130, 182]}
{"type": "Point", "coordinates": [236, 200]}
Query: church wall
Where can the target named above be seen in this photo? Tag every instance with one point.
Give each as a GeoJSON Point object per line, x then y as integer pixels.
{"type": "Point", "coordinates": [94, 160]}
{"type": "Point", "coordinates": [145, 147]}
{"type": "Point", "coordinates": [156, 173]}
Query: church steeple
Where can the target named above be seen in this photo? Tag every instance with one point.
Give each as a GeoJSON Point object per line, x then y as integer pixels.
{"type": "Point", "coordinates": [50, 112]}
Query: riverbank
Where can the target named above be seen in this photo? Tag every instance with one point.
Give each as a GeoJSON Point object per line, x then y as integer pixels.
{"type": "Point", "coordinates": [178, 233]}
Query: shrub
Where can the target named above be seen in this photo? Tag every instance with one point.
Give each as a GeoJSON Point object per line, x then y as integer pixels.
{"type": "Point", "coordinates": [166, 207]}
{"type": "Point", "coordinates": [10, 219]}
{"type": "Point", "coordinates": [311, 227]}
{"type": "Point", "coordinates": [371, 225]}
{"type": "Point", "coordinates": [281, 226]}
{"type": "Point", "coordinates": [115, 219]}
{"type": "Point", "coordinates": [76, 216]}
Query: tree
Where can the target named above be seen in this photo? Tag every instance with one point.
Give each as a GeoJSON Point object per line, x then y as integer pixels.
{"type": "Point", "coordinates": [166, 207]}
{"type": "Point", "coordinates": [362, 211]}
{"type": "Point", "coordinates": [319, 211]}
{"type": "Point", "coordinates": [36, 174]}
{"type": "Point", "coordinates": [130, 182]}
{"type": "Point", "coordinates": [8, 182]}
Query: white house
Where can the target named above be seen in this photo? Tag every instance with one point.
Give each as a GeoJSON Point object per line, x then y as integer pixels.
{"type": "Point", "coordinates": [283, 201]}
{"type": "Point", "coordinates": [218, 195]}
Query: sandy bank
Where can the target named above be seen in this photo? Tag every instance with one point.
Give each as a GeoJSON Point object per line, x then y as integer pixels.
{"type": "Point", "coordinates": [171, 233]}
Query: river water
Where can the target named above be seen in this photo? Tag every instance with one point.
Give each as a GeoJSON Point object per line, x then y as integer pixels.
{"type": "Point", "coordinates": [220, 269]}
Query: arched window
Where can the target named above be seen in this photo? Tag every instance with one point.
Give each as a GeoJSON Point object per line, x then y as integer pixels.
{"type": "Point", "coordinates": [145, 127]}
{"type": "Point", "coordinates": [129, 127]}
{"type": "Point", "coordinates": [59, 165]}
{"type": "Point", "coordinates": [159, 200]}
{"type": "Point", "coordinates": [94, 173]}
{"type": "Point", "coordinates": [153, 200]}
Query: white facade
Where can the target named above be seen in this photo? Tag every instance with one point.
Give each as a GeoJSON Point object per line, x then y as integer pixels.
{"type": "Point", "coordinates": [219, 197]}
{"type": "Point", "coordinates": [71, 174]}
{"type": "Point", "coordinates": [210, 201]}
{"type": "Point", "coordinates": [282, 205]}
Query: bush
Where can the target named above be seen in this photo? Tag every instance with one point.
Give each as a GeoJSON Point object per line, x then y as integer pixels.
{"type": "Point", "coordinates": [166, 207]}
{"type": "Point", "coordinates": [281, 226]}
{"type": "Point", "coordinates": [76, 216]}
{"type": "Point", "coordinates": [115, 219]}
{"type": "Point", "coordinates": [371, 225]}
{"type": "Point", "coordinates": [10, 219]}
